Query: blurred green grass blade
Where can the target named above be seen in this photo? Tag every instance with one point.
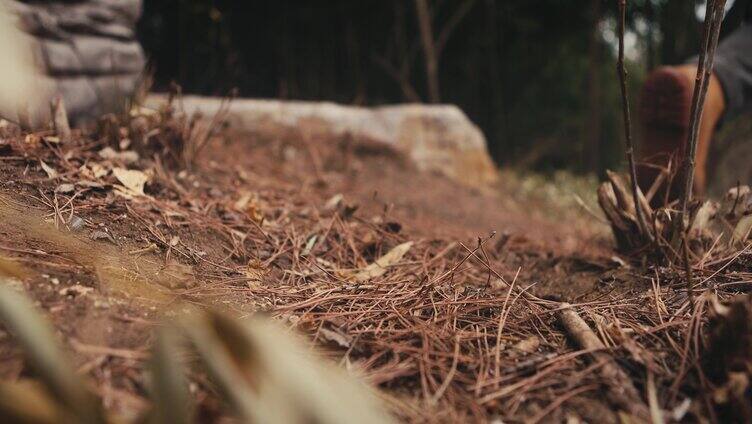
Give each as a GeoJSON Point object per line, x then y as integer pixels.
{"type": "Point", "coordinates": [11, 268]}
{"type": "Point", "coordinates": [290, 374]}
{"type": "Point", "coordinates": [287, 382]}
{"type": "Point", "coordinates": [38, 342]}
{"type": "Point", "coordinates": [222, 369]}
{"type": "Point", "coordinates": [169, 387]}
{"type": "Point", "coordinates": [236, 338]}
{"type": "Point", "coordinates": [26, 402]}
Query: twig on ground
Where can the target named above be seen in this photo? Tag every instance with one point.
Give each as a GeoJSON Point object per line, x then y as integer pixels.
{"type": "Point", "coordinates": [60, 118]}
{"type": "Point", "coordinates": [620, 389]}
{"type": "Point", "coordinates": [688, 271]}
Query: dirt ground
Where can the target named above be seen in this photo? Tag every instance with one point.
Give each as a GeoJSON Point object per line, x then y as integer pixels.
{"type": "Point", "coordinates": [277, 225]}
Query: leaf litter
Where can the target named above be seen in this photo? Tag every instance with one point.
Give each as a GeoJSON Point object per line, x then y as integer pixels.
{"type": "Point", "coordinates": [443, 327]}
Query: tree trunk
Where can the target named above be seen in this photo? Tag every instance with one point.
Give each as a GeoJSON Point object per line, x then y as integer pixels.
{"type": "Point", "coordinates": [650, 42]}
{"type": "Point", "coordinates": [429, 50]}
{"type": "Point", "coordinates": [592, 151]}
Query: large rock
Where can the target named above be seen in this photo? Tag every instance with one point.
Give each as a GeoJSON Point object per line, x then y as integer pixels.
{"type": "Point", "coordinates": [437, 138]}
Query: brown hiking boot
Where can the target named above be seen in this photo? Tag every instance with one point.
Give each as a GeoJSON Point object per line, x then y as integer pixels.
{"type": "Point", "coordinates": [664, 108]}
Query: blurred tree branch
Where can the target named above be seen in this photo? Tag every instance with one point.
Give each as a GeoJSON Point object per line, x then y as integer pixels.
{"type": "Point", "coordinates": [451, 24]}
{"type": "Point", "coordinates": [429, 50]}
{"type": "Point", "coordinates": [432, 48]}
{"type": "Point", "coordinates": [401, 75]}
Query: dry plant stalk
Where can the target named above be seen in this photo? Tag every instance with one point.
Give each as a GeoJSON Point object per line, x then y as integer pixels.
{"type": "Point", "coordinates": [60, 118]}
{"type": "Point", "coordinates": [197, 132]}
{"type": "Point", "coordinates": [633, 221]}
{"type": "Point", "coordinates": [713, 18]}
{"type": "Point", "coordinates": [621, 70]}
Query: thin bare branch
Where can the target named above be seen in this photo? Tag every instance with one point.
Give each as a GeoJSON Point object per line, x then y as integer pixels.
{"type": "Point", "coordinates": [429, 50]}
{"type": "Point", "coordinates": [452, 24]}
{"type": "Point", "coordinates": [621, 70]}
{"type": "Point", "coordinates": [713, 18]}
{"type": "Point", "coordinates": [400, 76]}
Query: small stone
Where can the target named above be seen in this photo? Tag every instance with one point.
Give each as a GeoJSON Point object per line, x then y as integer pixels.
{"type": "Point", "coordinates": [76, 223]}
{"type": "Point", "coordinates": [65, 188]}
{"type": "Point", "coordinates": [102, 235]}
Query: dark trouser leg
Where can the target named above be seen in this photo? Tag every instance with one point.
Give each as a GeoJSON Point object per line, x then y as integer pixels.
{"type": "Point", "coordinates": [733, 67]}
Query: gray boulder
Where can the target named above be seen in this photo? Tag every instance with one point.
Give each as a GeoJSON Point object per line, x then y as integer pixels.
{"type": "Point", "coordinates": [437, 138]}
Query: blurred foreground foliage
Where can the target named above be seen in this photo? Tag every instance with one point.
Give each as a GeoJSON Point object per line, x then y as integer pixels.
{"type": "Point", "coordinates": [260, 370]}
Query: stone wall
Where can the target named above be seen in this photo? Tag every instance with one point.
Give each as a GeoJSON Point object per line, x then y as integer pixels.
{"type": "Point", "coordinates": [85, 51]}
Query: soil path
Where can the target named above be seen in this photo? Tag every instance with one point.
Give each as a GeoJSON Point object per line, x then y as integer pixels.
{"type": "Point", "coordinates": [562, 251]}
{"type": "Point", "coordinates": [191, 241]}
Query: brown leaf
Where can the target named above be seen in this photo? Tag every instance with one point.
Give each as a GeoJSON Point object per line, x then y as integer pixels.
{"type": "Point", "coordinates": [249, 204]}
{"type": "Point", "coordinates": [133, 181]}
{"type": "Point", "coordinates": [380, 266]}
{"type": "Point", "coordinates": [125, 157]}
{"type": "Point", "coordinates": [526, 346]}
{"type": "Point", "coordinates": [255, 272]}
{"type": "Point", "coordinates": [51, 173]}
{"type": "Point", "coordinates": [336, 337]}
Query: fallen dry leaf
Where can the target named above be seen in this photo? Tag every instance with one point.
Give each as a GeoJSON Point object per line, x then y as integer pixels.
{"type": "Point", "coordinates": [334, 202]}
{"type": "Point", "coordinates": [379, 267]}
{"type": "Point", "coordinates": [242, 202]}
{"type": "Point", "coordinates": [65, 188]}
{"type": "Point", "coordinates": [93, 171]}
{"type": "Point", "coordinates": [103, 235]}
{"type": "Point", "coordinates": [335, 336]}
{"type": "Point", "coordinates": [309, 245]}
{"type": "Point", "coordinates": [98, 171]}
{"type": "Point", "coordinates": [126, 157]}
{"type": "Point", "coordinates": [249, 204]}
{"type": "Point", "coordinates": [525, 346]}
{"type": "Point", "coordinates": [742, 229]}
{"type": "Point", "coordinates": [32, 139]}
{"type": "Point", "coordinates": [255, 272]}
{"type": "Point", "coordinates": [49, 170]}
{"type": "Point", "coordinates": [133, 181]}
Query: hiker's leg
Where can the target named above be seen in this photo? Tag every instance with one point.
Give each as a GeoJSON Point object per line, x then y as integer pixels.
{"type": "Point", "coordinates": [666, 100]}
{"type": "Point", "coordinates": [664, 109]}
